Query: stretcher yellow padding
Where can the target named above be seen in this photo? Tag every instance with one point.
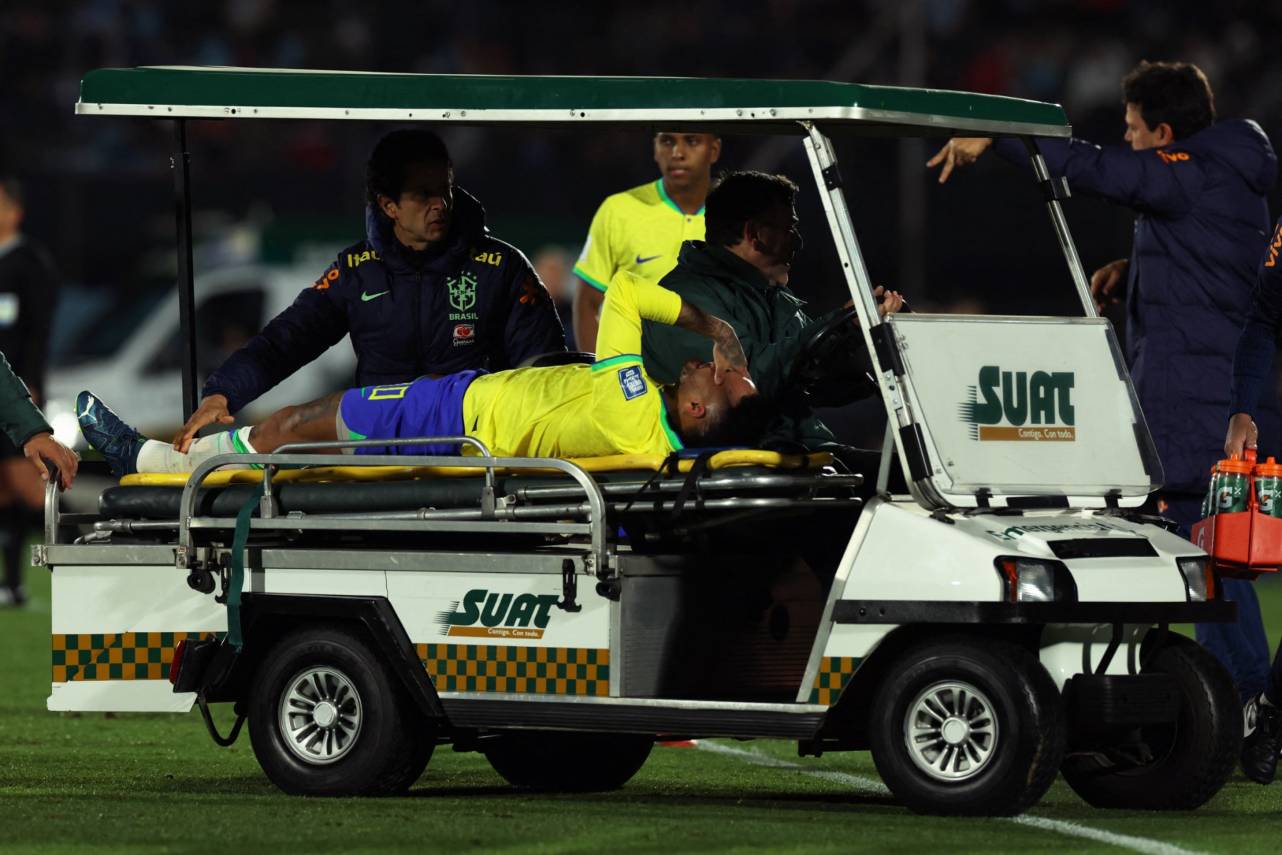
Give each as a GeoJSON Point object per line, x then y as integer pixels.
{"type": "Point", "coordinates": [608, 463]}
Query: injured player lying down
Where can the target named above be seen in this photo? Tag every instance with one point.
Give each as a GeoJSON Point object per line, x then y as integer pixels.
{"type": "Point", "coordinates": [609, 407]}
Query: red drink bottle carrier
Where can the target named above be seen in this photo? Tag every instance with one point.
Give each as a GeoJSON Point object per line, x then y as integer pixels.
{"type": "Point", "coordinates": [1241, 543]}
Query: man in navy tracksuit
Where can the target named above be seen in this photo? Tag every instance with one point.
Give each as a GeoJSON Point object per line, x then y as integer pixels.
{"type": "Point", "coordinates": [428, 291]}
{"type": "Point", "coordinates": [1253, 381]}
{"type": "Point", "coordinates": [1197, 187]}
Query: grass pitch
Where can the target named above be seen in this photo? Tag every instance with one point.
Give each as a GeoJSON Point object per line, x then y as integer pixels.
{"type": "Point", "coordinates": [104, 784]}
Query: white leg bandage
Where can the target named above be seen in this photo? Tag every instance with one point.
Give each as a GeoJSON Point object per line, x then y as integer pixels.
{"type": "Point", "coordinates": [156, 456]}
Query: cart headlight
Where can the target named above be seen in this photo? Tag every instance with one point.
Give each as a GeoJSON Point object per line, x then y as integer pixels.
{"type": "Point", "coordinates": [1199, 579]}
{"type": "Point", "coordinates": [1036, 580]}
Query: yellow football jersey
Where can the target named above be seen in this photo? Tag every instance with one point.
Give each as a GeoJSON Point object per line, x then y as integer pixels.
{"type": "Point", "coordinates": [639, 230]}
{"type": "Point", "coordinates": [609, 407]}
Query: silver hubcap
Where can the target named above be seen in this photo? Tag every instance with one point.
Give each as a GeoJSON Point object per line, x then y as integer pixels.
{"type": "Point", "coordinates": [950, 731]}
{"type": "Point", "coordinates": [320, 715]}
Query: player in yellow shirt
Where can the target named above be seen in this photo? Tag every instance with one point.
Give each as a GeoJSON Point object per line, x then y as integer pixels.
{"type": "Point", "coordinates": [609, 407]}
{"type": "Point", "coordinates": [641, 230]}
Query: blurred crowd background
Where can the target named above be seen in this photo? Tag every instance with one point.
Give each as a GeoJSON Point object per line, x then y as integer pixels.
{"type": "Point", "coordinates": [100, 190]}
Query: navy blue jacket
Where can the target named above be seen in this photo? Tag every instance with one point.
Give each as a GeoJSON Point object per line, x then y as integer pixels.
{"type": "Point", "coordinates": [1253, 376]}
{"type": "Point", "coordinates": [1201, 220]}
{"type": "Point", "coordinates": [477, 303]}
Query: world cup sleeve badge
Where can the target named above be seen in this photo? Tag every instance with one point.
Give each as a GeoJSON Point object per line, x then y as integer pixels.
{"type": "Point", "coordinates": [632, 382]}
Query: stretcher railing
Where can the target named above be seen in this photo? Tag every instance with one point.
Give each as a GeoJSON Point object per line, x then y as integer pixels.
{"type": "Point", "coordinates": [525, 503]}
{"type": "Point", "coordinates": [596, 562]}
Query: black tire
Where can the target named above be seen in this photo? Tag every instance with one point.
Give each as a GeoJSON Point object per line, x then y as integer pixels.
{"type": "Point", "coordinates": [1191, 759]}
{"type": "Point", "coordinates": [1017, 741]}
{"type": "Point", "coordinates": [555, 761]}
{"type": "Point", "coordinates": [389, 741]}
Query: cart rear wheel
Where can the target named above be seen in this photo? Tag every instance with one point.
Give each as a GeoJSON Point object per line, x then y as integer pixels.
{"type": "Point", "coordinates": [1176, 766]}
{"type": "Point", "coordinates": [327, 718]}
{"type": "Point", "coordinates": [967, 726]}
{"type": "Point", "coordinates": [567, 762]}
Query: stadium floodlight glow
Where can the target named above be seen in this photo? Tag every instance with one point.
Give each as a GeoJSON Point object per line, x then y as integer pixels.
{"type": "Point", "coordinates": [66, 428]}
{"type": "Point", "coordinates": [1035, 580]}
{"type": "Point", "coordinates": [1199, 578]}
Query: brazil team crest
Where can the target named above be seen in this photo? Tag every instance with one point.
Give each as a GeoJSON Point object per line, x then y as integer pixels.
{"type": "Point", "coordinates": [462, 291]}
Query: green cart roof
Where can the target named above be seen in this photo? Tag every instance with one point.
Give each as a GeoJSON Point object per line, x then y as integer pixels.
{"type": "Point", "coordinates": [762, 106]}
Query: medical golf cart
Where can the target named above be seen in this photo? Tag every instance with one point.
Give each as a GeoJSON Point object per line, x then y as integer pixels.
{"type": "Point", "coordinates": [1003, 621]}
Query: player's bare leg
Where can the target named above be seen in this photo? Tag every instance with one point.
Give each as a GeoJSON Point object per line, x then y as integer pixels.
{"type": "Point", "coordinates": [128, 451]}
{"type": "Point", "coordinates": [315, 421]}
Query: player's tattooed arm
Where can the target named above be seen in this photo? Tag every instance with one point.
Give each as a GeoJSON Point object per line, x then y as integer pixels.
{"type": "Point", "coordinates": [727, 353]}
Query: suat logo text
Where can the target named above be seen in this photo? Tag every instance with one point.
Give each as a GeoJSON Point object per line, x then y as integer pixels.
{"type": "Point", "coordinates": [492, 614]}
{"type": "Point", "coordinates": [1021, 406]}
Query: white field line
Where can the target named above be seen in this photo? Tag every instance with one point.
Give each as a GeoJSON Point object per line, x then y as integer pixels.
{"type": "Point", "coordinates": [1125, 841]}
{"type": "Point", "coordinates": [871, 786]}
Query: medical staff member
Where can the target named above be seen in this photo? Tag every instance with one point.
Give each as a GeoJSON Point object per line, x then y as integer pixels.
{"type": "Point", "coordinates": [28, 294]}
{"type": "Point", "coordinates": [641, 230]}
{"type": "Point", "coordinates": [22, 424]}
{"type": "Point", "coordinates": [428, 291]}
{"type": "Point", "coordinates": [1198, 189]}
{"type": "Point", "coordinates": [1252, 383]}
{"type": "Point", "coordinates": [742, 273]}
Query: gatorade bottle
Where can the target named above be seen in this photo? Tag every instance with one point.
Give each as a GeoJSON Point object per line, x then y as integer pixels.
{"type": "Point", "coordinates": [1231, 485]}
{"type": "Point", "coordinates": [1268, 485]}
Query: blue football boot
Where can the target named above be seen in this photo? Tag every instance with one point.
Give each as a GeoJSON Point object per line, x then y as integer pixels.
{"type": "Point", "coordinates": [118, 442]}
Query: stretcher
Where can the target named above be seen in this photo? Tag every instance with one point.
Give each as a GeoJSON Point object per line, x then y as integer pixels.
{"type": "Point", "coordinates": [598, 499]}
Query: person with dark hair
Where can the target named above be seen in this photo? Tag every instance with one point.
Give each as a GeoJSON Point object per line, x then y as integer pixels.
{"type": "Point", "coordinates": [428, 291]}
{"type": "Point", "coordinates": [641, 230]}
{"type": "Point", "coordinates": [1198, 189]}
{"type": "Point", "coordinates": [28, 293]}
{"type": "Point", "coordinates": [575, 410]}
{"type": "Point", "coordinates": [740, 272]}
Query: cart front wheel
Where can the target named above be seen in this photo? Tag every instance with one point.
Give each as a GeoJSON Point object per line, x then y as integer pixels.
{"type": "Point", "coordinates": [967, 726]}
{"type": "Point", "coordinates": [1168, 766]}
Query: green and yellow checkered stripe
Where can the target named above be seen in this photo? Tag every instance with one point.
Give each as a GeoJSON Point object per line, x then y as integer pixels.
{"type": "Point", "coordinates": [834, 673]}
{"type": "Point", "coordinates": [524, 670]}
{"type": "Point", "coordinates": [115, 656]}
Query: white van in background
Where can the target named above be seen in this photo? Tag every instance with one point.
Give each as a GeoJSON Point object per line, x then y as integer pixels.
{"type": "Point", "coordinates": [142, 379]}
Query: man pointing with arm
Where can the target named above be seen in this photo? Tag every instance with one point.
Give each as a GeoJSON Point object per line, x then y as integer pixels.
{"type": "Point", "coordinates": [1197, 187]}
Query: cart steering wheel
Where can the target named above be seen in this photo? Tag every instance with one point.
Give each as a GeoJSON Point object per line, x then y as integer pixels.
{"type": "Point", "coordinates": [833, 367]}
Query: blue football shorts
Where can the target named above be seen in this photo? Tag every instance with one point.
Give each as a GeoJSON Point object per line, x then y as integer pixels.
{"type": "Point", "coordinates": [428, 406]}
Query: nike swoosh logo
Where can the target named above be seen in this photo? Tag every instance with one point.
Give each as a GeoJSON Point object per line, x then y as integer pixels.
{"type": "Point", "coordinates": [366, 297]}
{"type": "Point", "coordinates": [641, 260]}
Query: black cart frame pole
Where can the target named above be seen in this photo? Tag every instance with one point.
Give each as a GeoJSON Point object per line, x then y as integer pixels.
{"type": "Point", "coordinates": [180, 163]}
